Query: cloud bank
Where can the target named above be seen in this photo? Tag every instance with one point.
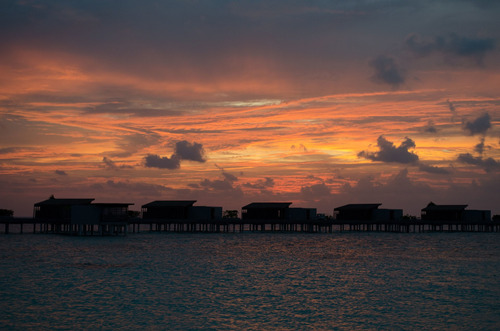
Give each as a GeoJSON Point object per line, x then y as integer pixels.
{"type": "Point", "coordinates": [388, 152]}
{"type": "Point", "coordinates": [452, 45]}
{"type": "Point", "coordinates": [184, 150]}
{"type": "Point", "coordinates": [488, 164]}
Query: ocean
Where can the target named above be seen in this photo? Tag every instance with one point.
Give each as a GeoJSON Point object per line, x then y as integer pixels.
{"type": "Point", "coordinates": [251, 281]}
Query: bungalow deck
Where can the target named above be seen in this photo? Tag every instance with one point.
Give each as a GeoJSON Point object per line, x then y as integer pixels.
{"type": "Point", "coordinates": [136, 225]}
{"type": "Point", "coordinates": [23, 225]}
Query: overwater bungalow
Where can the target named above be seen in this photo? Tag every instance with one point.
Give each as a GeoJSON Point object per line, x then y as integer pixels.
{"type": "Point", "coordinates": [179, 210]}
{"type": "Point", "coordinates": [453, 213]}
{"type": "Point", "coordinates": [278, 211]}
{"type": "Point", "coordinates": [80, 211]}
{"type": "Point", "coordinates": [369, 212]}
{"type": "Point", "coordinates": [80, 216]}
{"type": "Point", "coordinates": [57, 209]}
{"type": "Point", "coordinates": [98, 213]}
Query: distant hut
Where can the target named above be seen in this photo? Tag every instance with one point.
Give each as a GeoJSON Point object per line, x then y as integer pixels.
{"type": "Point", "coordinates": [172, 209]}
{"type": "Point", "coordinates": [179, 210]}
{"type": "Point", "coordinates": [265, 211]}
{"type": "Point", "coordinates": [98, 213]}
{"type": "Point", "coordinates": [301, 214]}
{"type": "Point", "coordinates": [366, 212]}
{"type": "Point", "coordinates": [453, 213]}
{"type": "Point", "coordinates": [205, 213]}
{"type": "Point", "coordinates": [79, 216]}
{"type": "Point", "coordinates": [278, 211]}
{"type": "Point", "coordinates": [57, 209]}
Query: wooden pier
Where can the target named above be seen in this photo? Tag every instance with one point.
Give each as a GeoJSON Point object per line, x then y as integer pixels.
{"type": "Point", "coordinates": [21, 225]}
{"type": "Point", "coordinates": [318, 226]}
{"type": "Point", "coordinates": [30, 225]}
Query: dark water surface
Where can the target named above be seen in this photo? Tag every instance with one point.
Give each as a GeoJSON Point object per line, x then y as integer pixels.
{"type": "Point", "coordinates": [252, 281]}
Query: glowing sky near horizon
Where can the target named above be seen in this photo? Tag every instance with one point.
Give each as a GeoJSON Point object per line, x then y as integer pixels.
{"type": "Point", "coordinates": [229, 102]}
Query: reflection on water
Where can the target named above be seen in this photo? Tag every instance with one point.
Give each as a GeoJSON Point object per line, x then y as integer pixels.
{"type": "Point", "coordinates": [251, 281]}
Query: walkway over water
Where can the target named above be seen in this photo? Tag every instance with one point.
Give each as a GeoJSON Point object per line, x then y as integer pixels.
{"type": "Point", "coordinates": [30, 225]}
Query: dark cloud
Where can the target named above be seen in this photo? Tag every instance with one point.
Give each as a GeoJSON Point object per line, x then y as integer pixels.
{"type": "Point", "coordinates": [111, 165]}
{"type": "Point", "coordinates": [430, 128]}
{"type": "Point", "coordinates": [316, 191]}
{"type": "Point", "coordinates": [451, 106]}
{"type": "Point", "coordinates": [390, 153]}
{"type": "Point", "coordinates": [217, 184]}
{"type": "Point", "coordinates": [488, 164]}
{"type": "Point", "coordinates": [184, 150]}
{"type": "Point", "coordinates": [469, 47]}
{"type": "Point", "coordinates": [261, 184]}
{"type": "Point", "coordinates": [387, 71]}
{"type": "Point", "coordinates": [60, 173]}
{"type": "Point", "coordinates": [452, 45]}
{"type": "Point", "coordinates": [432, 169]}
{"type": "Point", "coordinates": [479, 148]}
{"type": "Point", "coordinates": [9, 150]}
{"type": "Point", "coordinates": [479, 126]}
{"type": "Point", "coordinates": [155, 161]}
{"type": "Point", "coordinates": [229, 177]}
{"type": "Point", "coordinates": [220, 186]}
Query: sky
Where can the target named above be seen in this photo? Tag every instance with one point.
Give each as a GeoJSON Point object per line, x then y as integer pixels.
{"type": "Point", "coordinates": [319, 103]}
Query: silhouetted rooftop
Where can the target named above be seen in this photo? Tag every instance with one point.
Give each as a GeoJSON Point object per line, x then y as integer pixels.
{"type": "Point", "coordinates": [433, 207]}
{"type": "Point", "coordinates": [170, 203]}
{"type": "Point", "coordinates": [267, 205]}
{"type": "Point", "coordinates": [62, 202]}
{"type": "Point", "coordinates": [359, 206]}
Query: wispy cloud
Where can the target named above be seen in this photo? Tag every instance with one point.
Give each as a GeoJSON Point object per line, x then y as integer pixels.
{"type": "Point", "coordinates": [272, 93]}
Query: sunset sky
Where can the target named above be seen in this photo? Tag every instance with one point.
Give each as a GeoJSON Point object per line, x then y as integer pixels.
{"type": "Point", "coordinates": [319, 103]}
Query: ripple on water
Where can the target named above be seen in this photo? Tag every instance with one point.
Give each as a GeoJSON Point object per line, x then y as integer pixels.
{"type": "Point", "coordinates": [251, 281]}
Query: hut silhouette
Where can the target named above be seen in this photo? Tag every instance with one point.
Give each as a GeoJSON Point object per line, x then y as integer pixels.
{"type": "Point", "coordinates": [453, 213]}
{"type": "Point", "coordinates": [179, 210]}
{"type": "Point", "coordinates": [366, 212]}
